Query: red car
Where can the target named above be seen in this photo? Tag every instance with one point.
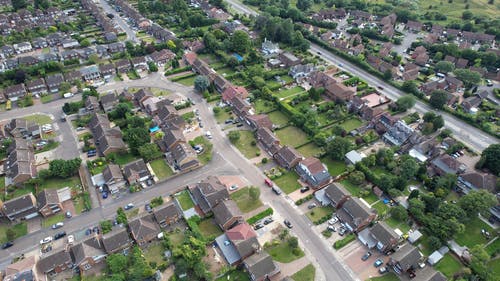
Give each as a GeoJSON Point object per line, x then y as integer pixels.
{"type": "Point", "coordinates": [269, 182]}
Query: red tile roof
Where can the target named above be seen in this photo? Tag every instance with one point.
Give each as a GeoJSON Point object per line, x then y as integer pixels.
{"type": "Point", "coordinates": [241, 232]}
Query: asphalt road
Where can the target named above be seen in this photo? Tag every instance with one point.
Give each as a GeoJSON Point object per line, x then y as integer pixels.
{"type": "Point", "coordinates": [119, 20]}
{"type": "Point", "coordinates": [473, 137]}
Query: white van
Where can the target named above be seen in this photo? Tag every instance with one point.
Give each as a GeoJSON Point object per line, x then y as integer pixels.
{"type": "Point", "coordinates": [209, 135]}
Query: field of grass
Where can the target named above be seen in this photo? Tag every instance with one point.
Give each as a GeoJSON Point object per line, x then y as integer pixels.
{"type": "Point", "coordinates": [381, 208]}
{"type": "Point", "coordinates": [291, 136]}
{"type": "Point", "coordinates": [159, 92]}
{"type": "Point", "coordinates": [263, 106]}
{"type": "Point", "coordinates": [352, 188]}
{"type": "Point", "coordinates": [288, 182]}
{"type": "Point", "coordinates": [335, 167]}
{"type": "Point", "coordinates": [185, 200]}
{"type": "Point", "coordinates": [206, 155]}
{"type": "Point", "coordinates": [310, 149]}
{"type": "Point", "coordinates": [188, 81]}
{"type": "Point", "coordinates": [132, 75]}
{"type": "Point", "coordinates": [278, 118]}
{"type": "Point", "coordinates": [40, 119]}
{"type": "Point", "coordinates": [48, 222]}
{"type": "Point", "coordinates": [223, 116]}
{"type": "Point", "coordinates": [244, 201]}
{"type": "Point", "coordinates": [391, 276]}
{"type": "Point", "coordinates": [319, 212]}
{"type": "Point", "coordinates": [305, 274]}
{"type": "Point", "coordinates": [235, 275]}
{"type": "Point", "coordinates": [244, 144]}
{"type": "Point", "coordinates": [404, 227]}
{"type": "Point", "coordinates": [154, 253]}
{"type": "Point", "coordinates": [351, 124]}
{"type": "Point", "coordinates": [20, 229]}
{"type": "Point", "coordinates": [472, 233]}
{"type": "Point", "coordinates": [46, 98]}
{"type": "Point", "coordinates": [73, 182]}
{"type": "Point", "coordinates": [493, 247]}
{"type": "Point", "coordinates": [209, 228]}
{"type": "Point", "coordinates": [494, 266]}
{"type": "Point", "coordinates": [124, 158]}
{"type": "Point", "coordinates": [283, 253]}
{"type": "Point", "coordinates": [161, 169]}
{"type": "Point", "coordinates": [226, 71]}
{"type": "Point", "coordinates": [283, 94]}
{"type": "Point", "coordinates": [449, 265]}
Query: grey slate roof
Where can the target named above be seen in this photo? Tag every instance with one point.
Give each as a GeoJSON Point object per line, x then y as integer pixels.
{"type": "Point", "coordinates": [116, 239]}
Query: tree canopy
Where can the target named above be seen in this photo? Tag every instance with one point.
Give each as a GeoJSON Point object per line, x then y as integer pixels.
{"type": "Point", "coordinates": [438, 99]}
{"type": "Point", "coordinates": [490, 159]}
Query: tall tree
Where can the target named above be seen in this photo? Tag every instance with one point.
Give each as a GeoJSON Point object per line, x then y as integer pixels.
{"type": "Point", "coordinates": [444, 66]}
{"type": "Point", "coordinates": [490, 159]}
{"type": "Point", "coordinates": [304, 5]}
{"type": "Point", "coordinates": [339, 147]}
{"type": "Point", "coordinates": [470, 78]}
{"type": "Point", "coordinates": [240, 42]}
{"type": "Point", "coordinates": [438, 99]}
{"type": "Point", "coordinates": [405, 102]}
{"type": "Point", "coordinates": [477, 202]}
{"type": "Point", "coordinates": [201, 83]}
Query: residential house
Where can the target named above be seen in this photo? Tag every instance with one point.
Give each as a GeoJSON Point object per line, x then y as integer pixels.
{"type": "Point", "coordinates": [113, 178]}
{"type": "Point", "coordinates": [15, 92]}
{"type": "Point", "coordinates": [36, 87]}
{"type": "Point", "coordinates": [22, 270]}
{"type": "Point", "coordinates": [300, 72]}
{"type": "Point", "coordinates": [90, 73]}
{"type": "Point", "coordinates": [144, 229]}
{"type": "Point", "coordinates": [260, 266]}
{"type": "Point", "coordinates": [54, 81]}
{"type": "Point", "coordinates": [168, 117]}
{"type": "Point", "coordinates": [91, 104]}
{"type": "Point", "coordinates": [288, 157]}
{"type": "Point", "coordinates": [171, 138]}
{"type": "Point", "coordinates": [88, 253]}
{"type": "Point", "coordinates": [12, 63]}
{"type": "Point", "coordinates": [241, 108]}
{"type": "Point", "coordinates": [143, 94]}
{"type": "Point", "coordinates": [20, 164]}
{"type": "Point", "coordinates": [7, 51]}
{"type": "Point", "coordinates": [117, 240]}
{"type": "Point", "coordinates": [268, 140]}
{"type": "Point", "coordinates": [19, 128]}
{"type": "Point", "coordinates": [55, 263]}
{"type": "Point", "coordinates": [20, 208]}
{"type": "Point", "coordinates": [406, 259]}
{"type": "Point", "coordinates": [108, 140]}
{"type": "Point", "coordinates": [140, 64]}
{"type": "Point", "coordinates": [355, 214]}
{"type": "Point", "coordinates": [136, 172]}
{"type": "Point", "coordinates": [167, 214]}
{"type": "Point", "coordinates": [160, 58]}
{"type": "Point", "coordinates": [269, 48]}
{"type": "Point", "coordinates": [313, 172]}
{"type": "Point", "coordinates": [385, 237]}
{"type": "Point", "coordinates": [445, 164]}
{"type": "Point", "coordinates": [289, 59]}
{"type": "Point", "coordinates": [453, 84]}
{"type": "Point", "coordinates": [110, 37]}
{"type": "Point", "coordinates": [238, 243]}
{"type": "Point", "coordinates": [208, 193]}
{"type": "Point", "coordinates": [107, 70]}
{"type": "Point", "coordinates": [339, 92]}
{"type": "Point", "coordinates": [475, 181]}
{"type": "Point", "coordinates": [116, 47]}
{"type": "Point", "coordinates": [109, 101]}
{"type": "Point", "coordinates": [50, 201]}
{"type": "Point", "coordinates": [461, 63]}
{"type": "Point", "coordinates": [73, 76]}
{"type": "Point", "coordinates": [27, 60]}
{"type": "Point", "coordinates": [184, 157]}
{"type": "Point", "coordinates": [329, 14]}
{"type": "Point", "coordinates": [337, 194]}
{"type": "Point", "coordinates": [123, 66]}
{"type": "Point", "coordinates": [232, 91]}
{"type": "Point", "coordinates": [23, 47]}
{"type": "Point", "coordinates": [227, 214]}
{"type": "Point", "coordinates": [398, 134]}
{"type": "Point", "coordinates": [220, 83]}
{"type": "Point", "coordinates": [414, 26]}
{"type": "Point", "coordinates": [471, 104]}
{"type": "Point", "coordinates": [69, 55]}
{"type": "Point", "coordinates": [70, 43]}
{"type": "Point", "coordinates": [54, 39]}
{"type": "Point", "coordinates": [259, 120]}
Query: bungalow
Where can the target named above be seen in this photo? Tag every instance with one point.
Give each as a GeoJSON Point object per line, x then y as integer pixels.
{"type": "Point", "coordinates": [123, 66]}
{"type": "Point", "coordinates": [55, 263]}
{"type": "Point", "coordinates": [288, 157]}
{"type": "Point", "coordinates": [406, 259]}
{"type": "Point", "coordinates": [88, 253]}
{"type": "Point", "coordinates": [168, 214]}
{"type": "Point", "coordinates": [109, 101]}
{"type": "Point", "coordinates": [50, 201]}
{"type": "Point", "coordinates": [355, 214]}
{"type": "Point", "coordinates": [136, 172]}
{"type": "Point", "coordinates": [140, 64]}
{"type": "Point", "coordinates": [36, 86]}
{"type": "Point", "coordinates": [144, 229]}
{"type": "Point", "coordinates": [268, 140]}
{"type": "Point", "coordinates": [337, 194]}
{"type": "Point", "coordinates": [208, 193]}
{"type": "Point", "coordinates": [15, 92]}
{"type": "Point", "coordinates": [261, 266]}
{"type": "Point", "coordinates": [113, 178]}
{"type": "Point", "coordinates": [54, 81]}
{"type": "Point", "coordinates": [260, 120]}
{"type": "Point", "coordinates": [227, 214]}
{"type": "Point", "coordinates": [232, 91]}
{"type": "Point", "coordinates": [313, 172]}
{"type": "Point", "coordinates": [117, 240]}
{"type": "Point", "coordinates": [20, 208]}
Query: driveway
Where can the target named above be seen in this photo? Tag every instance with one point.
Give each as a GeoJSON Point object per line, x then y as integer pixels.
{"type": "Point", "coordinates": [352, 254]}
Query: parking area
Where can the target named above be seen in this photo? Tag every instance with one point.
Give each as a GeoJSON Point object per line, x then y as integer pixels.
{"type": "Point", "coordinates": [233, 183]}
{"type": "Point", "coordinates": [352, 255]}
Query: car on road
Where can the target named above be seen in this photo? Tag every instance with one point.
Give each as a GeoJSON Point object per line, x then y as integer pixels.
{"type": "Point", "coordinates": [319, 53]}
{"type": "Point", "coordinates": [380, 87]}
{"type": "Point", "coordinates": [71, 239]}
{"type": "Point", "coordinates": [276, 190]}
{"type": "Point", "coordinates": [233, 187]}
{"type": "Point", "coordinates": [200, 125]}
{"type": "Point", "coordinates": [378, 263]}
{"type": "Point", "coordinates": [333, 220]}
{"type": "Point", "coordinates": [7, 245]}
{"type": "Point", "coordinates": [268, 182]}
{"type": "Point", "coordinates": [304, 189]}
{"type": "Point", "coordinates": [258, 226]}
{"type": "Point", "coordinates": [46, 248]}
{"type": "Point", "coordinates": [128, 206]}
{"type": "Point", "coordinates": [88, 231]}
{"type": "Point", "coordinates": [68, 214]}
{"type": "Point", "coordinates": [59, 235]}
{"type": "Point", "coordinates": [489, 83]}
{"type": "Point", "coordinates": [57, 225]}
{"type": "Point", "coordinates": [288, 224]}
{"type": "Point", "coordinates": [366, 256]}
{"type": "Point", "coordinates": [340, 64]}
{"type": "Point", "coordinates": [46, 240]}
{"type": "Point", "coordinates": [104, 194]}
{"type": "Point", "coordinates": [268, 220]}
{"type": "Point", "coordinates": [209, 135]}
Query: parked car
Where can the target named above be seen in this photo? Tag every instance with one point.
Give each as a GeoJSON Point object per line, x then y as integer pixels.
{"type": "Point", "coordinates": [276, 190]}
{"type": "Point", "coordinates": [331, 228]}
{"type": "Point", "coordinates": [489, 83]}
{"type": "Point", "coordinates": [333, 220]}
{"type": "Point", "coordinates": [57, 225]}
{"type": "Point", "coordinates": [200, 125]}
{"type": "Point", "coordinates": [233, 187]}
{"type": "Point", "coordinates": [312, 206]}
{"type": "Point", "coordinates": [46, 248]}
{"type": "Point", "coordinates": [258, 226]}
{"type": "Point", "coordinates": [104, 194]}
{"type": "Point", "coordinates": [95, 229]}
{"type": "Point", "coordinates": [268, 220]}
{"type": "Point", "coordinates": [239, 125]}
{"type": "Point", "coordinates": [128, 206]}
{"type": "Point", "coordinates": [378, 263]}
{"type": "Point", "coordinates": [366, 256]}
{"type": "Point", "coordinates": [46, 240]}
{"type": "Point", "coordinates": [71, 239]}
{"type": "Point", "coordinates": [268, 182]}
{"type": "Point", "coordinates": [342, 231]}
{"type": "Point", "coordinates": [148, 208]}
{"type": "Point", "coordinates": [7, 245]}
{"type": "Point", "coordinates": [88, 231]}
{"type": "Point", "coordinates": [228, 121]}
{"type": "Point", "coordinates": [59, 235]}
{"type": "Point", "coordinates": [288, 224]}
{"type": "Point", "coordinates": [383, 269]}
{"type": "Point", "coordinates": [304, 189]}
{"type": "Point", "coordinates": [68, 214]}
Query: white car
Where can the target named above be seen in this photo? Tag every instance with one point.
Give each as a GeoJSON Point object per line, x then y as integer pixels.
{"type": "Point", "coordinates": [71, 239]}
{"type": "Point", "coordinates": [46, 240]}
{"type": "Point", "coordinates": [233, 187]}
{"type": "Point", "coordinates": [332, 221]}
{"type": "Point", "coordinates": [57, 225]}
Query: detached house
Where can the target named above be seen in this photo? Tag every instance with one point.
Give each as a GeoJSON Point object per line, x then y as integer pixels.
{"type": "Point", "coordinates": [238, 243]}
{"type": "Point", "coordinates": [109, 101]}
{"type": "Point", "coordinates": [227, 214]}
{"type": "Point", "coordinates": [88, 253]}
{"type": "Point", "coordinates": [184, 157]}
{"type": "Point", "coordinates": [406, 259]}
{"type": "Point", "coordinates": [381, 236]}
{"type": "Point", "coordinates": [355, 214]}
{"type": "Point", "coordinates": [261, 266]}
{"type": "Point", "coordinates": [208, 193]}
{"type": "Point", "coordinates": [160, 58]}
{"type": "Point", "coordinates": [144, 229]}
{"type": "Point", "coordinates": [140, 64]}
{"type": "Point", "coordinates": [22, 270]}
{"type": "Point", "coordinates": [50, 201]}
{"type": "Point", "coordinates": [136, 172]}
{"type": "Point", "coordinates": [313, 172]}
{"type": "Point", "coordinates": [113, 178]}
{"type": "Point", "coordinates": [20, 208]}
{"type": "Point", "coordinates": [288, 157]}
{"type": "Point", "coordinates": [289, 59]}
{"type": "Point", "coordinates": [117, 240]}
{"type": "Point", "coordinates": [123, 66]}
{"type": "Point", "coordinates": [55, 263]}
{"type": "Point", "coordinates": [168, 214]}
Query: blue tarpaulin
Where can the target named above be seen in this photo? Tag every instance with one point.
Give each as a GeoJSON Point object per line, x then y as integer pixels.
{"type": "Point", "coordinates": [238, 57]}
{"type": "Point", "coordinates": [154, 129]}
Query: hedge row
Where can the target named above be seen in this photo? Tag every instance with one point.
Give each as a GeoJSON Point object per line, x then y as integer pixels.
{"type": "Point", "coordinates": [346, 240]}
{"type": "Point", "coordinates": [175, 79]}
{"type": "Point", "coordinates": [267, 212]}
{"type": "Point", "coordinates": [177, 70]}
{"type": "Point", "coordinates": [322, 219]}
{"type": "Point", "coordinates": [303, 200]}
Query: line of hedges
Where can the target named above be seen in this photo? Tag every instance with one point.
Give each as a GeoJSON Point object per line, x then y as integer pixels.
{"type": "Point", "coordinates": [189, 75]}
{"type": "Point", "coordinates": [267, 212]}
{"type": "Point", "coordinates": [177, 70]}
{"type": "Point", "coordinates": [303, 200]}
{"type": "Point", "coordinates": [322, 219]}
{"type": "Point", "coordinates": [342, 242]}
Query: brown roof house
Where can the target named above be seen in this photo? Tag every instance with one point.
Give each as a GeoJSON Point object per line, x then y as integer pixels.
{"type": "Point", "coordinates": [313, 172]}
{"type": "Point", "coordinates": [20, 208]}
{"type": "Point", "coordinates": [117, 240]}
{"type": "Point", "coordinates": [227, 214]}
{"type": "Point", "coordinates": [162, 57]}
{"type": "Point", "coordinates": [15, 92]}
{"type": "Point", "coordinates": [36, 86]}
{"type": "Point", "coordinates": [136, 172]}
{"type": "Point", "coordinates": [144, 229]}
{"type": "Point", "coordinates": [91, 104]}
{"type": "Point", "coordinates": [355, 214]}
{"type": "Point", "coordinates": [337, 194]}
{"type": "Point", "coordinates": [241, 107]}
{"type": "Point", "coordinates": [289, 59]}
{"type": "Point", "coordinates": [208, 193]}
{"type": "Point", "coordinates": [20, 164]}
{"type": "Point", "coordinates": [183, 157]}
{"type": "Point", "coordinates": [55, 263]}
{"type": "Point", "coordinates": [88, 253]}
{"type": "Point", "coordinates": [113, 178]}
{"type": "Point", "coordinates": [167, 214]}
{"type": "Point", "coordinates": [22, 270]}
{"type": "Point", "coordinates": [268, 140]}
{"type": "Point", "coordinates": [109, 101]}
{"type": "Point", "coordinates": [260, 266]}
{"type": "Point", "coordinates": [50, 201]}
{"type": "Point", "coordinates": [260, 120]}
{"type": "Point", "coordinates": [232, 91]}
{"type": "Point", "coordinates": [445, 164]}
{"type": "Point", "coordinates": [406, 259]}
{"type": "Point", "coordinates": [288, 157]}
{"type": "Point", "coordinates": [381, 236]}
{"type": "Point", "coordinates": [339, 91]}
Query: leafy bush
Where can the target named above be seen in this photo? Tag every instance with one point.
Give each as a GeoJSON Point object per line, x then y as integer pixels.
{"type": "Point", "coordinates": [323, 219]}
{"type": "Point", "coordinates": [267, 212]}
{"type": "Point", "coordinates": [327, 233]}
{"type": "Point", "coordinates": [303, 200]}
{"type": "Point", "coordinates": [346, 240]}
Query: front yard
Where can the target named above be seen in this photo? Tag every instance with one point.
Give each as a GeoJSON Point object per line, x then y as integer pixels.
{"type": "Point", "coordinates": [161, 169]}
{"type": "Point", "coordinates": [244, 200]}
{"type": "Point", "coordinates": [288, 182]}
{"type": "Point", "coordinates": [282, 252]}
{"type": "Point", "coordinates": [206, 155]}
{"type": "Point", "coordinates": [318, 213]}
{"type": "Point", "coordinates": [292, 136]}
{"type": "Point", "coordinates": [305, 274]}
{"type": "Point", "coordinates": [449, 265]}
{"type": "Point", "coordinates": [20, 229]}
{"type": "Point", "coordinates": [185, 200]}
{"type": "Point", "coordinates": [48, 222]}
{"type": "Point", "coordinates": [40, 119]}
{"type": "Point", "coordinates": [247, 144]}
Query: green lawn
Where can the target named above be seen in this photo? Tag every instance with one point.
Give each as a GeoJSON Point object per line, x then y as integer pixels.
{"type": "Point", "coordinates": [209, 228]}
{"type": "Point", "coordinates": [124, 158]}
{"type": "Point", "coordinates": [46, 98]}
{"type": "Point", "coordinates": [73, 182]}
{"type": "Point", "coordinates": [223, 115]}
{"type": "Point", "coordinates": [49, 146]}
{"type": "Point", "coordinates": [391, 276]}
{"type": "Point", "coordinates": [97, 168]}
{"type": "Point", "coordinates": [244, 201]}
{"type": "Point", "coordinates": [278, 118]}
{"type": "Point", "coordinates": [493, 247]}
{"type": "Point", "coordinates": [20, 229]}
{"type": "Point", "coordinates": [305, 274]}
{"type": "Point", "coordinates": [423, 244]}
{"type": "Point", "coordinates": [403, 226]}
{"type": "Point", "coordinates": [21, 191]}
{"type": "Point", "coordinates": [159, 92]}
{"type": "Point", "coordinates": [132, 75]}
{"type": "Point", "coordinates": [289, 92]}
{"type": "Point", "coordinates": [206, 155]}
{"type": "Point", "coordinates": [188, 81]}
{"type": "Point", "coordinates": [188, 116]}
{"type": "Point", "coordinates": [78, 203]}
{"type": "Point", "coordinates": [154, 253]}
{"type": "Point", "coordinates": [226, 71]}
{"type": "Point", "coordinates": [335, 167]}
{"type": "Point", "coordinates": [351, 124]}
{"type": "Point", "coordinates": [371, 198]}
{"type": "Point", "coordinates": [161, 169]}
{"type": "Point", "coordinates": [263, 106]}
{"type": "Point", "coordinates": [352, 188]}
{"type": "Point", "coordinates": [381, 208]}
{"type": "Point", "coordinates": [244, 144]}
{"type": "Point", "coordinates": [283, 253]}
{"type": "Point", "coordinates": [319, 212]}
{"type": "Point", "coordinates": [288, 182]}
{"type": "Point", "coordinates": [132, 213]}
{"type": "Point", "coordinates": [235, 275]}
{"type": "Point", "coordinates": [48, 222]}
{"type": "Point", "coordinates": [291, 136]}
{"type": "Point", "coordinates": [185, 200]}
{"type": "Point", "coordinates": [472, 234]}
{"type": "Point", "coordinates": [494, 265]}
{"type": "Point", "coordinates": [449, 265]}
{"type": "Point", "coordinates": [310, 149]}
{"type": "Point", "coordinates": [40, 119]}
